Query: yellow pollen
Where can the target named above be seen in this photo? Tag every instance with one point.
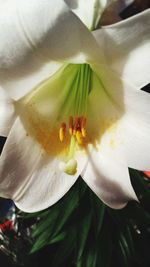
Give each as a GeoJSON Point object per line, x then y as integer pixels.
{"type": "Point", "coordinates": [71, 125]}
{"type": "Point", "coordinates": [62, 132]}
{"type": "Point", "coordinates": [79, 137]}
{"type": "Point", "coordinates": [83, 126]}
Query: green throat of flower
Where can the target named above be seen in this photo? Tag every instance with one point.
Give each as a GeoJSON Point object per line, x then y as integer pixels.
{"type": "Point", "coordinates": [75, 125]}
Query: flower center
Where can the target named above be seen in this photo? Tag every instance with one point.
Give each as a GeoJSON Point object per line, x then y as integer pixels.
{"type": "Point", "coordinates": [56, 113]}
{"type": "Point", "coordinates": [69, 111]}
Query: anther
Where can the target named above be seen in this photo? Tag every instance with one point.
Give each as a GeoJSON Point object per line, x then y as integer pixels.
{"type": "Point", "coordinates": [62, 131]}
{"type": "Point", "coordinates": [83, 126]}
{"type": "Point", "coordinates": [76, 125]}
{"type": "Point", "coordinates": [71, 125]}
{"type": "Point", "coordinates": [77, 128]}
{"type": "Point", "coordinates": [79, 137]}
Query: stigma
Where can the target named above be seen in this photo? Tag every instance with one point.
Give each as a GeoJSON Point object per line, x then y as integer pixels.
{"type": "Point", "coordinates": [76, 128]}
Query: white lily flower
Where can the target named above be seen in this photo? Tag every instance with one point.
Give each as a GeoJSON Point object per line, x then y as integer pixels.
{"type": "Point", "coordinates": [80, 116]}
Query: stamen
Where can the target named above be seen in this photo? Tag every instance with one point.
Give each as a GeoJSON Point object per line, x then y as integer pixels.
{"type": "Point", "coordinates": [62, 132]}
{"type": "Point", "coordinates": [83, 126]}
{"type": "Point", "coordinates": [71, 125]}
{"type": "Point", "coordinates": [79, 137]}
{"type": "Point", "coordinates": [76, 125]}
{"type": "Point", "coordinates": [77, 128]}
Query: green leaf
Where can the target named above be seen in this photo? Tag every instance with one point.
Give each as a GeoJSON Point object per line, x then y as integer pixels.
{"type": "Point", "coordinates": [91, 257]}
{"type": "Point", "coordinates": [98, 208]}
{"type": "Point", "coordinates": [58, 238]}
{"type": "Point", "coordinates": [65, 249]}
{"type": "Point", "coordinates": [83, 233]}
{"type": "Point", "coordinates": [124, 258]}
{"type": "Point", "coordinates": [104, 244]}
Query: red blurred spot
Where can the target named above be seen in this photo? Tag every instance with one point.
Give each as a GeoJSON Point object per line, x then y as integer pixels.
{"type": "Point", "coordinates": [7, 225]}
{"type": "Point", "coordinates": [147, 173]}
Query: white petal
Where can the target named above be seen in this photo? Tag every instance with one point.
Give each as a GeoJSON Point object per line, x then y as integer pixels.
{"type": "Point", "coordinates": [128, 138]}
{"type": "Point", "coordinates": [34, 33]}
{"type": "Point", "coordinates": [2, 2]}
{"type": "Point", "coordinates": [133, 140]}
{"type": "Point", "coordinates": [20, 80]}
{"type": "Point", "coordinates": [126, 46]}
{"type": "Point", "coordinates": [29, 176]}
{"type": "Point", "coordinates": [89, 11]}
{"type": "Point", "coordinates": [7, 113]}
{"type": "Point", "coordinates": [109, 180]}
